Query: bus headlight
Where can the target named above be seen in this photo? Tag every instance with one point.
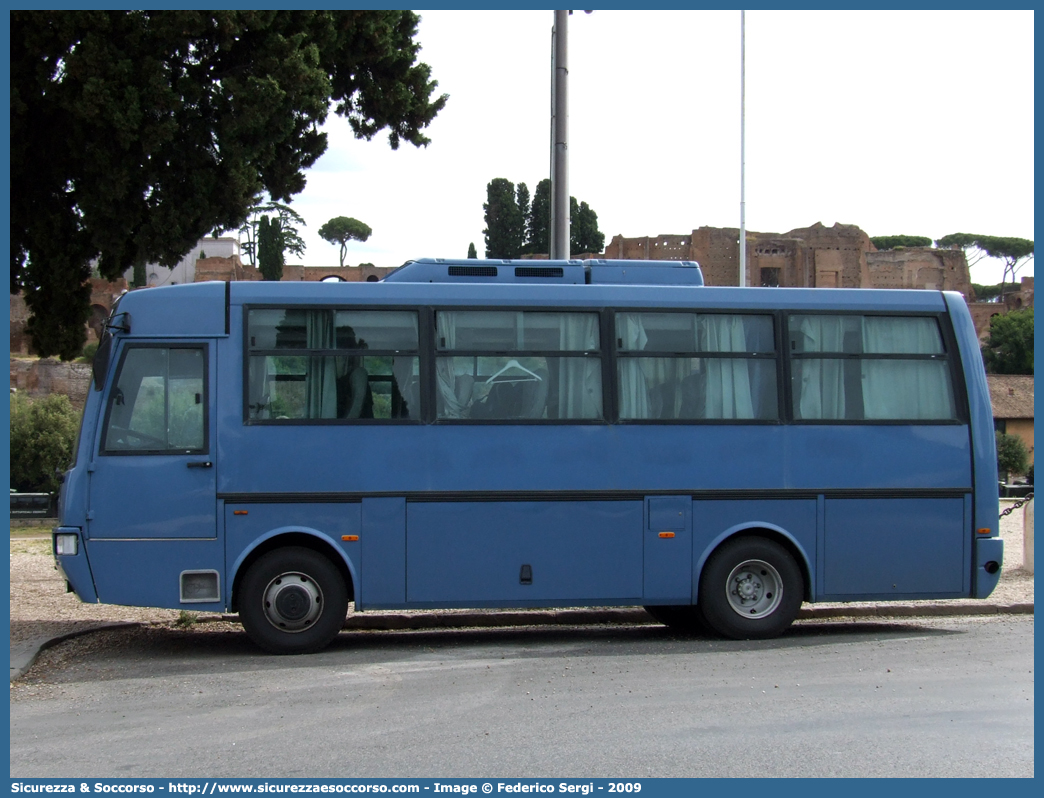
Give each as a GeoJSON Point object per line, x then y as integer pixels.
{"type": "Point", "coordinates": [66, 544]}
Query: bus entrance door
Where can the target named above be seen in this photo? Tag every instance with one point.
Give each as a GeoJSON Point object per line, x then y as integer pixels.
{"type": "Point", "coordinates": [153, 474]}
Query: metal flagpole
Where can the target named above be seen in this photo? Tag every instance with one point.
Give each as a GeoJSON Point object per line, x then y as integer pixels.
{"type": "Point", "coordinates": [743, 145]}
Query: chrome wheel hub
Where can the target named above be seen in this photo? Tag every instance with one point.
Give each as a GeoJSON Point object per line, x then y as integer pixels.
{"type": "Point", "coordinates": [754, 589]}
{"type": "Point", "coordinates": [293, 602]}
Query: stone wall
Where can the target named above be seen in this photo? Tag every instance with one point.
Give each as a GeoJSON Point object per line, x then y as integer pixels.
{"type": "Point", "coordinates": [233, 268]}
{"type": "Point", "coordinates": [39, 378]}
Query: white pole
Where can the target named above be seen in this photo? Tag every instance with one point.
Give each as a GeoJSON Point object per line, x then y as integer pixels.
{"type": "Point", "coordinates": [743, 145]}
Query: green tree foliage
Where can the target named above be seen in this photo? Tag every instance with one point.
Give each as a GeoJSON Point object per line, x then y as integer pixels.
{"type": "Point", "coordinates": [1009, 347]}
{"type": "Point", "coordinates": [893, 242]}
{"type": "Point", "coordinates": [135, 133]}
{"type": "Point", "coordinates": [538, 225]}
{"type": "Point", "coordinates": [42, 436]}
{"type": "Point", "coordinates": [505, 222]}
{"type": "Point", "coordinates": [984, 293]}
{"type": "Point", "coordinates": [342, 229]}
{"type": "Point", "coordinates": [1015, 252]}
{"type": "Point", "coordinates": [1012, 454]}
{"type": "Point", "coordinates": [288, 219]}
{"type": "Point", "coordinates": [584, 236]}
{"type": "Point", "coordinates": [472, 252]}
{"type": "Point", "coordinates": [515, 226]}
{"type": "Point", "coordinates": [270, 258]}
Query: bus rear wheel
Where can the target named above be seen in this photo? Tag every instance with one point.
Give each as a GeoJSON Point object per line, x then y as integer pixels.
{"type": "Point", "coordinates": [293, 601]}
{"type": "Point", "coordinates": [750, 589]}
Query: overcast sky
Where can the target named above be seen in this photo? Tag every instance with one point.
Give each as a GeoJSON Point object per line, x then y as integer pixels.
{"type": "Point", "coordinates": [908, 122]}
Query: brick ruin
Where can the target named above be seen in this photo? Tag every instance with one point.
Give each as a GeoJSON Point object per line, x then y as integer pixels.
{"type": "Point", "coordinates": [841, 256]}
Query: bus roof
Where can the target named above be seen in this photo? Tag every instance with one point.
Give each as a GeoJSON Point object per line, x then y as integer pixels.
{"type": "Point", "coordinates": [200, 308]}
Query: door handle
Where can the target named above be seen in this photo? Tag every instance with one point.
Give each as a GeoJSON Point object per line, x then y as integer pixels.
{"type": "Point", "coordinates": [200, 464]}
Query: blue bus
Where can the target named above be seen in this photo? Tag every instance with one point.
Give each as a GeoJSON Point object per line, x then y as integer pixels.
{"type": "Point", "coordinates": [531, 434]}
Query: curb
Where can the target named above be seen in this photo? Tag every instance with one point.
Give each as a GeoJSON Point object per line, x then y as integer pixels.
{"type": "Point", "coordinates": [24, 655]}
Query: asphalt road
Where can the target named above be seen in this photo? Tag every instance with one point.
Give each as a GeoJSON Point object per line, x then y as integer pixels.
{"type": "Point", "coordinates": [910, 697]}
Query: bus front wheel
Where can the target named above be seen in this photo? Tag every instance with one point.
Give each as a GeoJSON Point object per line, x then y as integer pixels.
{"type": "Point", "coordinates": [751, 588]}
{"type": "Point", "coordinates": [293, 601]}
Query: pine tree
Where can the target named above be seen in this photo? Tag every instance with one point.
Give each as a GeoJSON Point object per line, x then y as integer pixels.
{"type": "Point", "coordinates": [505, 223]}
{"type": "Point", "coordinates": [270, 248]}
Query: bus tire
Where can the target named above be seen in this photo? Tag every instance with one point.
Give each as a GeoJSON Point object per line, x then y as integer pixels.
{"type": "Point", "coordinates": [681, 618]}
{"type": "Point", "coordinates": [750, 589]}
{"type": "Point", "coordinates": [293, 601]}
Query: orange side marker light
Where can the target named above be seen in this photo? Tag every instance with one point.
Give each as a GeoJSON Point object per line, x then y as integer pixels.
{"type": "Point", "coordinates": [985, 531]}
{"type": "Point", "coordinates": [240, 512]}
{"type": "Point", "coordinates": [349, 537]}
{"type": "Point", "coordinates": [666, 534]}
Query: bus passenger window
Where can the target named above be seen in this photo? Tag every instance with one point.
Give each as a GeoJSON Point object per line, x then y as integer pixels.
{"type": "Point", "coordinates": [517, 365]}
{"type": "Point", "coordinates": [869, 368]}
{"type": "Point", "coordinates": [157, 403]}
{"type": "Point", "coordinates": [695, 367]}
{"type": "Point", "coordinates": [311, 364]}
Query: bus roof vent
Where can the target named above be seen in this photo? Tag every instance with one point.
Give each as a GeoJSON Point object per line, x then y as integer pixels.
{"type": "Point", "coordinates": [473, 271]}
{"type": "Point", "coordinates": [539, 271]}
{"type": "Point", "coordinates": [444, 270]}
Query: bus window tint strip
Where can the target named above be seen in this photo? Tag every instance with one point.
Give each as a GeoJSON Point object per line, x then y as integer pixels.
{"type": "Point", "coordinates": [869, 368]}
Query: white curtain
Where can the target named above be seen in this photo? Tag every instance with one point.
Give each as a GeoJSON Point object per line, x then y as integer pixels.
{"type": "Point", "coordinates": [819, 384]}
{"type": "Point", "coordinates": [904, 389]}
{"type": "Point", "coordinates": [450, 405]}
{"type": "Point", "coordinates": [728, 379]}
{"type": "Point", "coordinates": [579, 378]}
{"type": "Point", "coordinates": [259, 396]}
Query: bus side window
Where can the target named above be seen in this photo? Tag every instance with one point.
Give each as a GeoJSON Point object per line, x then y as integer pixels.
{"type": "Point", "coordinates": [695, 366]}
{"type": "Point", "coordinates": [506, 365]}
{"type": "Point", "coordinates": [869, 368]}
{"type": "Point", "coordinates": [157, 404]}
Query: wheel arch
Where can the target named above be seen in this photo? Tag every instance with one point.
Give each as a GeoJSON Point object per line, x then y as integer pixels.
{"type": "Point", "coordinates": [304, 537]}
{"type": "Point", "coordinates": [753, 529]}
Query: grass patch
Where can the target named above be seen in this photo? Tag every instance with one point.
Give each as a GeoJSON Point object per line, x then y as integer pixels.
{"type": "Point", "coordinates": [33, 531]}
{"type": "Point", "coordinates": [40, 547]}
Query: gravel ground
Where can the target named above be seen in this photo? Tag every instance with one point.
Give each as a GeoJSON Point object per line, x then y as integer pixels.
{"type": "Point", "coordinates": [40, 607]}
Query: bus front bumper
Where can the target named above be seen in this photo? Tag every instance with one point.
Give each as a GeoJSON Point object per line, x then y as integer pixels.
{"type": "Point", "coordinates": [72, 563]}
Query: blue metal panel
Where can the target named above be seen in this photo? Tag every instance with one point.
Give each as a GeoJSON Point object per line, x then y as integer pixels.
{"type": "Point", "coordinates": [146, 573]}
{"type": "Point", "coordinates": [984, 449]}
{"type": "Point", "coordinates": [249, 525]}
{"type": "Point", "coordinates": [76, 568]}
{"type": "Point", "coordinates": [643, 272]}
{"type": "Point", "coordinates": [894, 548]}
{"type": "Point", "coordinates": [383, 573]}
{"type": "Point", "coordinates": [668, 559]}
{"type": "Point", "coordinates": [474, 553]}
{"type": "Point", "coordinates": [405, 459]}
{"type": "Point", "coordinates": [196, 309]}
{"type": "Point", "coordinates": [714, 521]}
{"type": "Point", "coordinates": [872, 456]}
